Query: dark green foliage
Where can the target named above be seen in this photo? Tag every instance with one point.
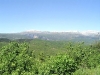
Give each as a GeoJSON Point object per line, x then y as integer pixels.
{"type": "Point", "coordinates": [4, 40]}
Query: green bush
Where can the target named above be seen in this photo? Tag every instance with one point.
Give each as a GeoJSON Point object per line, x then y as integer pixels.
{"type": "Point", "coordinates": [14, 59]}
{"type": "Point", "coordinates": [61, 64]}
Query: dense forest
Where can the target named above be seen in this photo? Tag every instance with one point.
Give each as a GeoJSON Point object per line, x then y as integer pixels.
{"type": "Point", "coordinates": [41, 57]}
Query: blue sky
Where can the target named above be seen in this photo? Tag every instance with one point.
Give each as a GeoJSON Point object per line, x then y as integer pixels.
{"type": "Point", "coordinates": [49, 15]}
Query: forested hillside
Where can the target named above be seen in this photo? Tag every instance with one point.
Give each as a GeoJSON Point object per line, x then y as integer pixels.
{"type": "Point", "coordinates": [41, 57]}
{"type": "Point", "coordinates": [88, 37]}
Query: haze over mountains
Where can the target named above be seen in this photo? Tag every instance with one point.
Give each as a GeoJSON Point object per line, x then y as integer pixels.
{"type": "Point", "coordinates": [89, 32]}
{"type": "Point", "coordinates": [87, 36]}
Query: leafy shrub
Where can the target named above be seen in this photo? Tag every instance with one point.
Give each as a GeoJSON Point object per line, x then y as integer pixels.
{"type": "Point", "coordinates": [58, 65]}
{"type": "Point", "coordinates": [14, 59]}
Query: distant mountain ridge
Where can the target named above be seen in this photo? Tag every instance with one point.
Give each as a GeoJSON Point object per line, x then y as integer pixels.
{"type": "Point", "coordinates": [88, 36]}
{"type": "Point", "coordinates": [89, 32]}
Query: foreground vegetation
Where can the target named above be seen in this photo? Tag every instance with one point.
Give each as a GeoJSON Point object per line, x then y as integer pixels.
{"type": "Point", "coordinates": [38, 57]}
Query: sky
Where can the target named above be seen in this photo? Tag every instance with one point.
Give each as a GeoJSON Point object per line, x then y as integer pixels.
{"type": "Point", "coordinates": [49, 15]}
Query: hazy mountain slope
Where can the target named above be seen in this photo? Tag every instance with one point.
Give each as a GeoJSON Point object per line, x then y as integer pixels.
{"type": "Point", "coordinates": [13, 36]}
{"type": "Point", "coordinates": [88, 36]}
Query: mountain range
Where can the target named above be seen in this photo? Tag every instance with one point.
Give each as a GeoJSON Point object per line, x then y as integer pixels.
{"type": "Point", "coordinates": [87, 36]}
